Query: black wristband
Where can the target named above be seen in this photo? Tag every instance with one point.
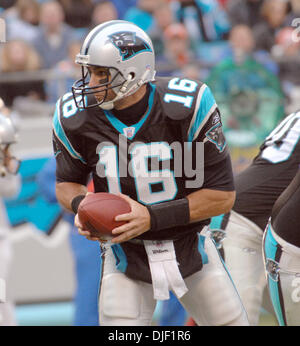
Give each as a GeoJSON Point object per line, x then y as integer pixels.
{"type": "Point", "coordinates": [75, 202]}
{"type": "Point", "coordinates": [169, 214]}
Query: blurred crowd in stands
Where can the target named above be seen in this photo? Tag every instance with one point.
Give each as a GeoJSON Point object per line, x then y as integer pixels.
{"type": "Point", "coordinates": [248, 51]}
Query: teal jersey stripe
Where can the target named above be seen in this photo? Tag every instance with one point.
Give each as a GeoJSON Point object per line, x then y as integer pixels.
{"type": "Point", "coordinates": [216, 222]}
{"type": "Point", "coordinates": [120, 256]}
{"type": "Point", "coordinates": [207, 105]}
{"type": "Point", "coordinates": [270, 252]}
{"type": "Point", "coordinates": [270, 244]}
{"type": "Point", "coordinates": [201, 246]}
{"type": "Point", "coordinates": [119, 126]}
{"type": "Point", "coordinates": [61, 135]}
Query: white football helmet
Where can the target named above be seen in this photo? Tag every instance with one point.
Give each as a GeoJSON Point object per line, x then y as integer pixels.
{"type": "Point", "coordinates": [125, 50]}
{"type": "Point", "coordinates": [8, 136]}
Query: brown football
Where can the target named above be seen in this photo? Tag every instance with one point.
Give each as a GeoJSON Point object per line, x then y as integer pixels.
{"type": "Point", "coordinates": [97, 213]}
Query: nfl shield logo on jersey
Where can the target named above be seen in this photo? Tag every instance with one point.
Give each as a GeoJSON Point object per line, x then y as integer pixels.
{"type": "Point", "coordinates": [129, 131]}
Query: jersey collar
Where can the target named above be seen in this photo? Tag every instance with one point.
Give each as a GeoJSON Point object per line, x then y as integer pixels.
{"type": "Point", "coordinates": [131, 131]}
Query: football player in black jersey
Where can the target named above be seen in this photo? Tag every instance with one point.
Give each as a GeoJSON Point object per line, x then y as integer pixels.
{"type": "Point", "coordinates": [159, 144]}
{"type": "Point", "coordinates": [281, 250]}
{"type": "Point", "coordinates": [257, 189]}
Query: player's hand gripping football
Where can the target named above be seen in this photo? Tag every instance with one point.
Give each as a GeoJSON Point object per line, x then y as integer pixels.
{"type": "Point", "coordinates": [85, 232]}
{"type": "Point", "coordinates": [138, 222]}
{"type": "Point", "coordinates": [135, 222]}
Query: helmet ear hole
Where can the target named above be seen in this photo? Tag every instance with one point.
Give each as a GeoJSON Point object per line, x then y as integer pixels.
{"type": "Point", "coordinates": [132, 74]}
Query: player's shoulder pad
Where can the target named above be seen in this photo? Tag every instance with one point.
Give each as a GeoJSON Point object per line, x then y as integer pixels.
{"type": "Point", "coordinates": [67, 123]}
{"type": "Point", "coordinates": [66, 115]}
{"type": "Point", "coordinates": [177, 96]}
{"type": "Point", "coordinates": [183, 98]}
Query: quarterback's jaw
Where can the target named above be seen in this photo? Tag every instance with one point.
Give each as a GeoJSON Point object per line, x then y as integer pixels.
{"type": "Point", "coordinates": [99, 82]}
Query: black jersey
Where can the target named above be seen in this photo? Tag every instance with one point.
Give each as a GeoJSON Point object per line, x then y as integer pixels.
{"type": "Point", "coordinates": [153, 160]}
{"type": "Point", "coordinates": [258, 186]}
{"type": "Point", "coordinates": [285, 217]}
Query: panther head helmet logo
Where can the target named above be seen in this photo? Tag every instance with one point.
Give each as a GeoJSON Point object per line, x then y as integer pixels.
{"type": "Point", "coordinates": [129, 44]}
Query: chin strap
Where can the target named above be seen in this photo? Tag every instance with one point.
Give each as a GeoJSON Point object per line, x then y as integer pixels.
{"type": "Point", "coordinates": [109, 105]}
{"type": "Point", "coordinates": [122, 92]}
